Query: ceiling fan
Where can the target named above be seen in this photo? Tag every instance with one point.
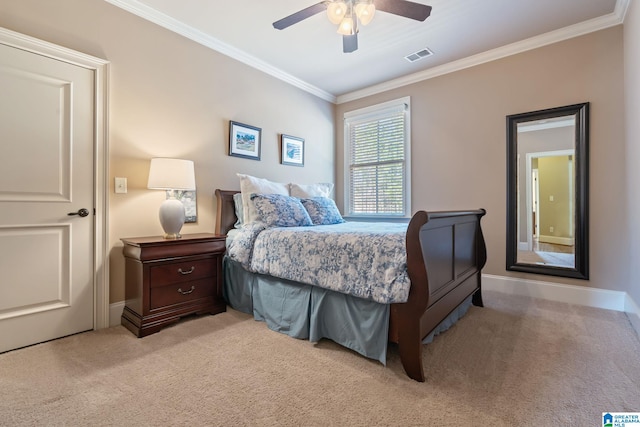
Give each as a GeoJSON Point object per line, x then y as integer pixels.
{"type": "Point", "coordinates": [348, 14]}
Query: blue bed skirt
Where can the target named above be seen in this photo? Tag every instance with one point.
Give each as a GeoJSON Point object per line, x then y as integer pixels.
{"type": "Point", "coordinates": [309, 312]}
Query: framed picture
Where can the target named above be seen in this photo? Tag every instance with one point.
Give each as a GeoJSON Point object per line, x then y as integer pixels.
{"type": "Point", "coordinates": [292, 150]}
{"type": "Point", "coordinates": [244, 141]}
{"type": "Point", "coordinates": [188, 199]}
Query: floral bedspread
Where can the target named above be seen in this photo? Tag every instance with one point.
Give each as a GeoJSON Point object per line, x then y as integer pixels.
{"type": "Point", "coordinates": [367, 260]}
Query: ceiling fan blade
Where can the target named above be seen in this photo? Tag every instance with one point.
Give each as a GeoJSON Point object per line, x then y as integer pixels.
{"type": "Point", "coordinates": [350, 43]}
{"type": "Point", "coordinates": [300, 15]}
{"type": "Point", "coordinates": [405, 8]}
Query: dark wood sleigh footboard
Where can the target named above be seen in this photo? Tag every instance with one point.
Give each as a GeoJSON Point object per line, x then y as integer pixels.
{"type": "Point", "coordinates": [445, 256]}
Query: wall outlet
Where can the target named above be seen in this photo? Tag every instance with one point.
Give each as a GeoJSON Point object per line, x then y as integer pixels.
{"type": "Point", "coordinates": [121, 185]}
{"type": "Point", "coordinates": [551, 229]}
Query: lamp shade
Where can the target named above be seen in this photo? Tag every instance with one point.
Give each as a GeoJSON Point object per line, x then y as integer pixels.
{"type": "Point", "coordinates": [365, 12]}
{"type": "Point", "coordinates": [336, 11]}
{"type": "Point", "coordinates": [346, 26]}
{"type": "Point", "coordinates": [171, 174]}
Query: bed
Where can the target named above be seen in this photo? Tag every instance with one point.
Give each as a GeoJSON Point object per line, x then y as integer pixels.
{"type": "Point", "coordinates": [445, 253]}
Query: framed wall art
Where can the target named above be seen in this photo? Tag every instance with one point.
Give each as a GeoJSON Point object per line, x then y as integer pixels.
{"type": "Point", "coordinates": [188, 199]}
{"type": "Point", "coordinates": [292, 150]}
{"type": "Point", "coordinates": [244, 140]}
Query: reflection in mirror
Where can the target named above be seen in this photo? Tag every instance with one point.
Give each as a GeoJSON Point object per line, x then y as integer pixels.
{"type": "Point", "coordinates": [547, 191]}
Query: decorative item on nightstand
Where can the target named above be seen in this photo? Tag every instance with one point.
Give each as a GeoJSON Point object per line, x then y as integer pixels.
{"type": "Point", "coordinates": [171, 174]}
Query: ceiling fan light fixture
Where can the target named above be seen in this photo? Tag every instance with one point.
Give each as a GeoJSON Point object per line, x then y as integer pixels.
{"type": "Point", "coordinates": [365, 11]}
{"type": "Point", "coordinates": [336, 11]}
{"type": "Point", "coordinates": [346, 27]}
{"type": "Point", "coordinates": [348, 15]}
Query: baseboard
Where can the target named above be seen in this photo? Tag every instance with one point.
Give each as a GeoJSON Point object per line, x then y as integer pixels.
{"type": "Point", "coordinates": [115, 313]}
{"type": "Point", "coordinates": [590, 297]}
{"type": "Point", "coordinates": [564, 241]}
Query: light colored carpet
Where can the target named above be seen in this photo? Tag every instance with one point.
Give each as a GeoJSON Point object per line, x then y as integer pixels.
{"type": "Point", "coordinates": [516, 362]}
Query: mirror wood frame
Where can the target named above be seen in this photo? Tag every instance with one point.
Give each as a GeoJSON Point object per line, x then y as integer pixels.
{"type": "Point", "coordinates": [581, 170]}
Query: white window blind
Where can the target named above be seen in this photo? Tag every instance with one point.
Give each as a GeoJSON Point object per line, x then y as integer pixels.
{"type": "Point", "coordinates": [377, 153]}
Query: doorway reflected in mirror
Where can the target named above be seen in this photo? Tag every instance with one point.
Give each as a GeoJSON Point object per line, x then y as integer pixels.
{"type": "Point", "coordinates": [547, 182]}
{"type": "Point", "coordinates": [546, 203]}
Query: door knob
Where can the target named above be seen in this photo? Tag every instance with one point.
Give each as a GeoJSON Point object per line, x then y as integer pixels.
{"type": "Point", "coordinates": [82, 212]}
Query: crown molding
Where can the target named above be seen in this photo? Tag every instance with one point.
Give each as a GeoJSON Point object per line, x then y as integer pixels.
{"type": "Point", "coordinates": [200, 37]}
{"type": "Point", "coordinates": [586, 27]}
{"type": "Point", "coordinates": [159, 18]}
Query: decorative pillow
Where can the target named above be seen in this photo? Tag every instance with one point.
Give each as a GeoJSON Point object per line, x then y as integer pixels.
{"type": "Point", "coordinates": [237, 202]}
{"type": "Point", "coordinates": [322, 211]}
{"type": "Point", "coordinates": [277, 210]}
{"type": "Point", "coordinates": [310, 190]}
{"type": "Point", "coordinates": [251, 185]}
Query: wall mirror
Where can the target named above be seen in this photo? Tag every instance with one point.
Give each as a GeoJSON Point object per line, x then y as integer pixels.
{"type": "Point", "coordinates": [548, 190]}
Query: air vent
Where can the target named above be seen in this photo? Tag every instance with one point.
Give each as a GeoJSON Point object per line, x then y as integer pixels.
{"type": "Point", "coordinates": [418, 55]}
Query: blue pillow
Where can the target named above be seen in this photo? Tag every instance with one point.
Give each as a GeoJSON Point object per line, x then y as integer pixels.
{"type": "Point", "coordinates": [322, 211]}
{"type": "Point", "coordinates": [277, 210]}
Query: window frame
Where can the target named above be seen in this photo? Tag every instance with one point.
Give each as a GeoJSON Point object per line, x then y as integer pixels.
{"type": "Point", "coordinates": [376, 112]}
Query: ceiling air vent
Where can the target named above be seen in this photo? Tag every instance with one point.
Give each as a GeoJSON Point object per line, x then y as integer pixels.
{"type": "Point", "coordinates": [418, 55]}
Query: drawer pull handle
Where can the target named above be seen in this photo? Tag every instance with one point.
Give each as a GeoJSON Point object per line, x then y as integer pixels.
{"type": "Point", "coordinates": [193, 288]}
{"type": "Point", "coordinates": [187, 272]}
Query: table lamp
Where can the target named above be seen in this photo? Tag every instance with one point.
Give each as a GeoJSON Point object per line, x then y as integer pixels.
{"type": "Point", "coordinates": [171, 174]}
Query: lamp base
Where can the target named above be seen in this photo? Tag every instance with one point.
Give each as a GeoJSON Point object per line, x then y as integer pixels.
{"type": "Point", "coordinates": [172, 217]}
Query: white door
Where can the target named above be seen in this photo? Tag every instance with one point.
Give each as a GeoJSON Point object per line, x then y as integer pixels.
{"type": "Point", "coordinates": [46, 172]}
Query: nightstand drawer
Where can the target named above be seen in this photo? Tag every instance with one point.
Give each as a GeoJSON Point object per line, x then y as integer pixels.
{"type": "Point", "coordinates": [180, 272]}
{"type": "Point", "coordinates": [181, 293]}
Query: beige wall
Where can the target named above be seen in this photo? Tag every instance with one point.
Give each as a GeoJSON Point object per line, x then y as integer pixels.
{"type": "Point", "coordinates": [632, 109]}
{"type": "Point", "coordinates": [171, 97]}
{"type": "Point", "coordinates": [459, 141]}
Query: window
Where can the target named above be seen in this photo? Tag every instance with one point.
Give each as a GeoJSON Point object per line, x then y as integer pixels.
{"type": "Point", "coordinates": [377, 160]}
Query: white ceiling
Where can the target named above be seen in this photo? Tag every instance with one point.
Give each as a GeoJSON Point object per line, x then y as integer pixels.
{"type": "Point", "coordinates": [461, 33]}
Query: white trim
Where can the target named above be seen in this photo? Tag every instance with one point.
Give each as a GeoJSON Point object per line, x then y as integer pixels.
{"type": "Point", "coordinates": [590, 26]}
{"type": "Point", "coordinates": [101, 156]}
{"type": "Point", "coordinates": [565, 241]}
{"type": "Point", "coordinates": [101, 185]}
{"type": "Point", "coordinates": [370, 113]}
{"type": "Point", "coordinates": [204, 39]}
{"type": "Point", "coordinates": [115, 313]}
{"type": "Point", "coordinates": [514, 286]}
{"type": "Point", "coordinates": [580, 295]}
{"type": "Point", "coordinates": [172, 24]}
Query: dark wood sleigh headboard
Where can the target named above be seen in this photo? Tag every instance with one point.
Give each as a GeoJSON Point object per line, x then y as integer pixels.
{"type": "Point", "coordinates": [226, 211]}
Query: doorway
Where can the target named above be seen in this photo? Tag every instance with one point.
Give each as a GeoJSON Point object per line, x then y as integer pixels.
{"type": "Point", "coordinates": [52, 191]}
{"type": "Point", "coordinates": [550, 209]}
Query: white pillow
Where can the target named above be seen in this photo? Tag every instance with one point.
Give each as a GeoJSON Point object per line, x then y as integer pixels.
{"type": "Point", "coordinates": [302, 191]}
{"type": "Point", "coordinates": [251, 185]}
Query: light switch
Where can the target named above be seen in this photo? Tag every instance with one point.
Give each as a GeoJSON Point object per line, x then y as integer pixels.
{"type": "Point", "coordinates": [121, 185]}
{"type": "Point", "coordinates": [551, 198]}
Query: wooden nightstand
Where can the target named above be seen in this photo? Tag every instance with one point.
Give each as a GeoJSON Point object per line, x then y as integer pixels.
{"type": "Point", "coordinates": [168, 279]}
